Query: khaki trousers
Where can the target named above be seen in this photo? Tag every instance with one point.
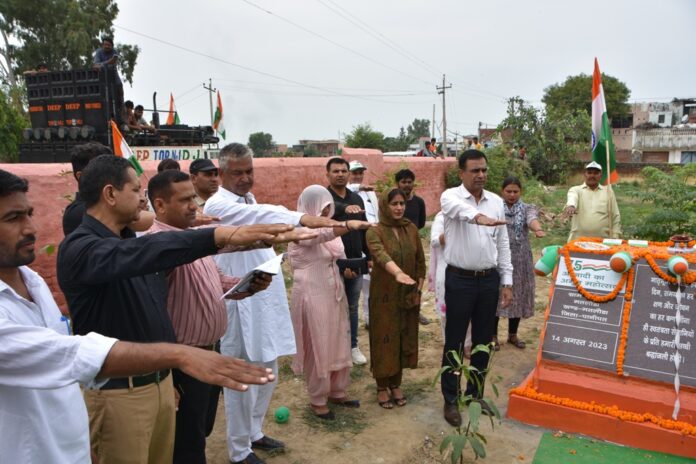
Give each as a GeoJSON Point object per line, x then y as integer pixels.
{"type": "Point", "coordinates": [133, 426]}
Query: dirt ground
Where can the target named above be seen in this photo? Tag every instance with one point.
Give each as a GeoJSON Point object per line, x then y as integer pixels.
{"type": "Point", "coordinates": [408, 435]}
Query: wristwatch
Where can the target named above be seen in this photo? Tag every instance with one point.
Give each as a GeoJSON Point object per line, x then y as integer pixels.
{"type": "Point", "coordinates": [506, 286]}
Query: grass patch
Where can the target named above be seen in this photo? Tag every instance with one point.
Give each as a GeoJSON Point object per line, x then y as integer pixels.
{"type": "Point", "coordinates": [358, 372]}
{"type": "Point", "coordinates": [416, 390]}
{"type": "Point", "coordinates": [424, 336]}
{"type": "Point", "coordinates": [539, 306]}
{"type": "Point", "coordinates": [285, 369]}
{"type": "Point", "coordinates": [347, 420]}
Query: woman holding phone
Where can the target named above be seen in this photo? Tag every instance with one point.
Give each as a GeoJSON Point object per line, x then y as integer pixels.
{"type": "Point", "coordinates": [319, 309]}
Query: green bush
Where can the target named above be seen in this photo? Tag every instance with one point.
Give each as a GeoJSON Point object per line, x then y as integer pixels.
{"type": "Point", "coordinates": [673, 199]}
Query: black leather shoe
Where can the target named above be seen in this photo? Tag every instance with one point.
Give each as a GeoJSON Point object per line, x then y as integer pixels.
{"type": "Point", "coordinates": [268, 444]}
{"type": "Point", "coordinates": [452, 415]}
{"type": "Point", "coordinates": [250, 459]}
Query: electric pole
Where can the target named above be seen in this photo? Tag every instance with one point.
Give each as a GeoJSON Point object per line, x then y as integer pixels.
{"type": "Point", "coordinates": [444, 118]}
{"type": "Point", "coordinates": [432, 133]}
{"type": "Point", "coordinates": [210, 90]}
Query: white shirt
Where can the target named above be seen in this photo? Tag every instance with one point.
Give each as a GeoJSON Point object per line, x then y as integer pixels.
{"type": "Point", "coordinates": [370, 200]}
{"type": "Point", "coordinates": [470, 246]}
{"type": "Point", "coordinates": [259, 324]}
{"type": "Point", "coordinates": [42, 414]}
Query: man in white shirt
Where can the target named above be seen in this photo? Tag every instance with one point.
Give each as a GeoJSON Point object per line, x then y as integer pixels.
{"type": "Point", "coordinates": [357, 175]}
{"type": "Point", "coordinates": [259, 328]}
{"type": "Point", "coordinates": [42, 413]}
{"type": "Point", "coordinates": [477, 267]}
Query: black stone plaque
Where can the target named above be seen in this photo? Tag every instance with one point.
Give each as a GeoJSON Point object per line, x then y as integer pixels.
{"type": "Point", "coordinates": [580, 331]}
{"type": "Point", "coordinates": [650, 347]}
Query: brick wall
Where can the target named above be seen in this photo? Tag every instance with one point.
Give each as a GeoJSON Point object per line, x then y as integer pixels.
{"type": "Point", "coordinates": [277, 181]}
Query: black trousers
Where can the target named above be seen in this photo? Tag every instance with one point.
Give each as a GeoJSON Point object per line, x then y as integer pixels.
{"type": "Point", "coordinates": [194, 419]}
{"type": "Point", "coordinates": [468, 299]}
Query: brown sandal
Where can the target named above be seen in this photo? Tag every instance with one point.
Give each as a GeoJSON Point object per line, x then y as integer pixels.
{"type": "Point", "coordinates": [388, 404]}
{"type": "Point", "coordinates": [516, 342]}
{"type": "Point", "coordinates": [401, 400]}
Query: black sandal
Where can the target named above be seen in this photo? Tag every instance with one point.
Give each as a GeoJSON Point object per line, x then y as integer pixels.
{"type": "Point", "coordinates": [516, 342]}
{"type": "Point", "coordinates": [329, 416]}
{"type": "Point", "coordinates": [388, 404]}
{"type": "Point", "coordinates": [399, 401]}
{"type": "Point", "coordinates": [346, 403]}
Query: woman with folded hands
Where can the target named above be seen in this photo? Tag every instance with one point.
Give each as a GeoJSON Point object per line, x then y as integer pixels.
{"type": "Point", "coordinates": [319, 309]}
{"type": "Point", "coordinates": [395, 292]}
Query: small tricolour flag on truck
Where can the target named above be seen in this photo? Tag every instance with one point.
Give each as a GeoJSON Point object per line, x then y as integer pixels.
{"type": "Point", "coordinates": [122, 149]}
{"type": "Point", "coordinates": [173, 116]}
{"type": "Point", "coordinates": [217, 120]}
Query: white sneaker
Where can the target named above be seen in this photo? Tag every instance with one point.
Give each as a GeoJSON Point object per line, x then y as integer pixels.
{"type": "Point", "coordinates": [358, 358]}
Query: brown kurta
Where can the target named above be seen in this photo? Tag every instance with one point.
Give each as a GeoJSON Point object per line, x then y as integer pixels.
{"type": "Point", "coordinates": [394, 307]}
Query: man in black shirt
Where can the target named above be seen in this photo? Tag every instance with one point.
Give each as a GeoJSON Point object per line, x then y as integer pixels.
{"type": "Point", "coordinates": [415, 207]}
{"type": "Point", "coordinates": [117, 287]}
{"type": "Point", "coordinates": [80, 156]}
{"type": "Point", "coordinates": [348, 205]}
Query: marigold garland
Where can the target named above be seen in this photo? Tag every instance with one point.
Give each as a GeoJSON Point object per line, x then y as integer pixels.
{"type": "Point", "coordinates": [628, 305]}
{"type": "Point", "coordinates": [687, 279]}
{"type": "Point", "coordinates": [654, 251]}
{"type": "Point", "coordinates": [592, 297]}
{"type": "Point", "coordinates": [612, 411]}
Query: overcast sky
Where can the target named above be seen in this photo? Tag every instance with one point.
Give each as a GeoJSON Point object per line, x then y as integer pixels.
{"type": "Point", "coordinates": [279, 72]}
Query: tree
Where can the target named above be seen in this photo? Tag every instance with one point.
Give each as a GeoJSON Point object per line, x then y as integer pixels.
{"type": "Point", "coordinates": [261, 143]}
{"type": "Point", "coordinates": [552, 137]}
{"type": "Point", "coordinates": [418, 128]}
{"type": "Point", "coordinates": [11, 124]}
{"type": "Point", "coordinates": [363, 136]}
{"type": "Point", "coordinates": [399, 143]}
{"type": "Point", "coordinates": [576, 93]}
{"type": "Point", "coordinates": [60, 33]}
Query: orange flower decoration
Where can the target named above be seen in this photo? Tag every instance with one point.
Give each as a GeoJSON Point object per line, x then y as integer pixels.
{"type": "Point", "coordinates": [612, 411]}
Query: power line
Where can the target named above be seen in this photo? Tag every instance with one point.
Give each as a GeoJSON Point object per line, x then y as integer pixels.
{"type": "Point", "coordinates": [333, 42]}
{"type": "Point", "coordinates": [283, 92]}
{"type": "Point", "coordinates": [360, 89]}
{"type": "Point", "coordinates": [246, 68]}
{"type": "Point", "coordinates": [195, 87]}
{"type": "Point", "coordinates": [358, 22]}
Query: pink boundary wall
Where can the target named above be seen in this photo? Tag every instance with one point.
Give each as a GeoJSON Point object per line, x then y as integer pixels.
{"type": "Point", "coordinates": [277, 181]}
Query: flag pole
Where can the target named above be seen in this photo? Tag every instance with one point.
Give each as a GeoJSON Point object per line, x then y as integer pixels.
{"type": "Point", "coordinates": [607, 149]}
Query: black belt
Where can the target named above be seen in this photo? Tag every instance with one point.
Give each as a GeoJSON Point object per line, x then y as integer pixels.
{"type": "Point", "coordinates": [207, 347]}
{"type": "Point", "coordinates": [136, 380]}
{"type": "Point", "coordinates": [470, 273]}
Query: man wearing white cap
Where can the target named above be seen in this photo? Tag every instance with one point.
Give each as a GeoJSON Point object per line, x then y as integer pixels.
{"type": "Point", "coordinates": [593, 207]}
{"type": "Point", "coordinates": [357, 173]}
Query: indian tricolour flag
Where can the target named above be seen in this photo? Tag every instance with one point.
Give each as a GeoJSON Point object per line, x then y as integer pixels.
{"type": "Point", "coordinates": [122, 149]}
{"type": "Point", "coordinates": [603, 150]}
{"type": "Point", "coordinates": [217, 120]}
{"type": "Point", "coordinates": [173, 115]}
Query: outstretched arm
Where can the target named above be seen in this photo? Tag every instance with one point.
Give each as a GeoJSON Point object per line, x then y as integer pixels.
{"type": "Point", "coordinates": [127, 358]}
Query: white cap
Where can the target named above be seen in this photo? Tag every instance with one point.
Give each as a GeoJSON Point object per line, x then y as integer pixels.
{"type": "Point", "coordinates": [594, 165]}
{"type": "Point", "coordinates": [356, 166]}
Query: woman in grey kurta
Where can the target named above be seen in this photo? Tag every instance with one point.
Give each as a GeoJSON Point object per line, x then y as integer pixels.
{"type": "Point", "coordinates": [521, 218]}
